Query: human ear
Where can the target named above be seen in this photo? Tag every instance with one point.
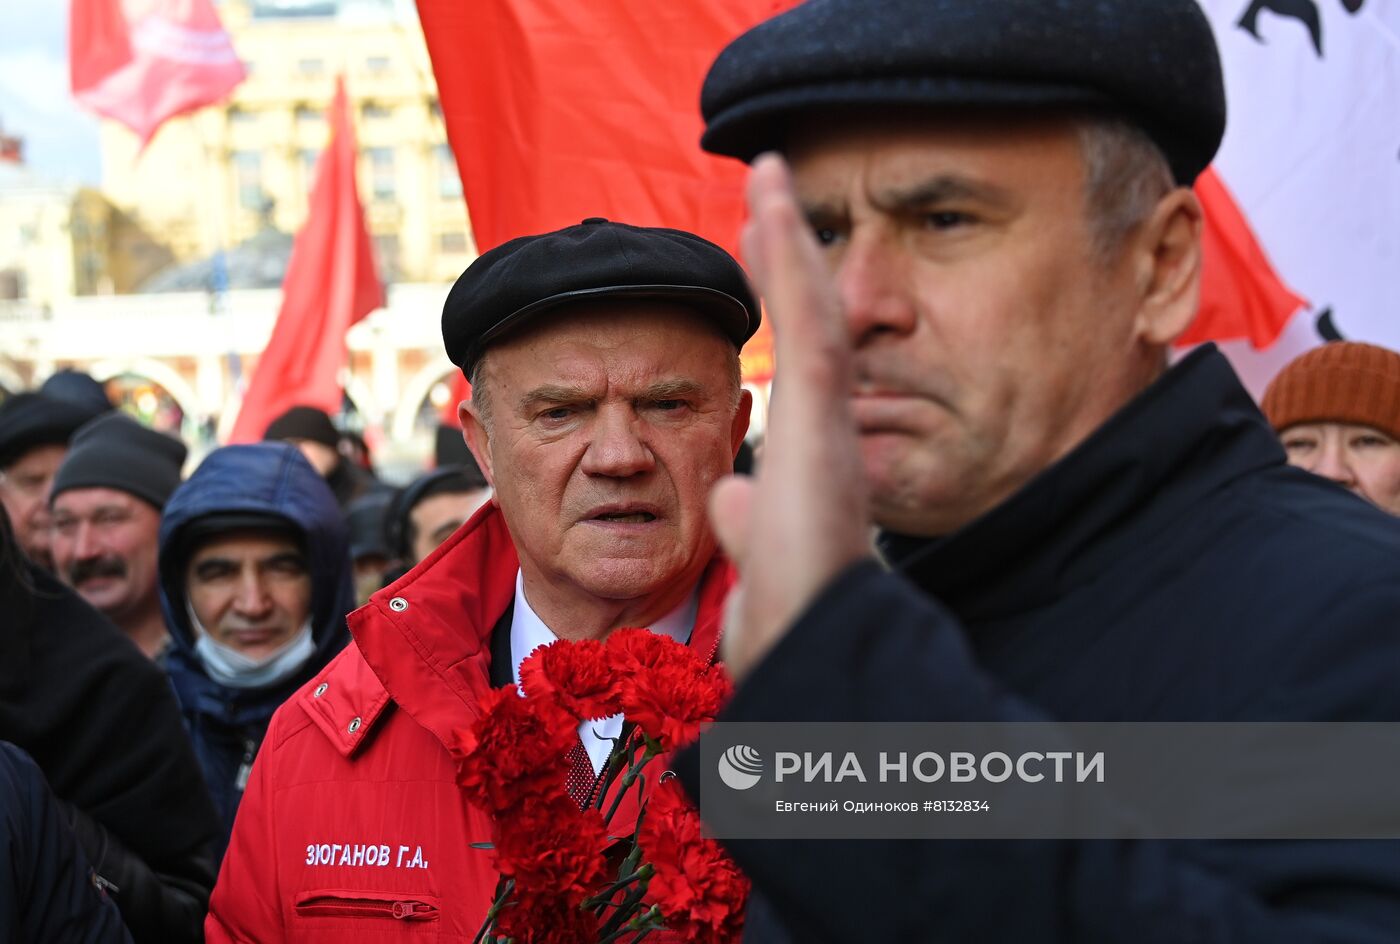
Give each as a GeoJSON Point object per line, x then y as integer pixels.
{"type": "Point", "coordinates": [477, 438]}
{"type": "Point", "coordinates": [1168, 253]}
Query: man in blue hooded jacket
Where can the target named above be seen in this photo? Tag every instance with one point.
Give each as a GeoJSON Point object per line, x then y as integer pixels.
{"type": "Point", "coordinates": [255, 581]}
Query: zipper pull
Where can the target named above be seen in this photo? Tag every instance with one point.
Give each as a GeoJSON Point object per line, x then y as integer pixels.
{"type": "Point", "coordinates": [250, 750]}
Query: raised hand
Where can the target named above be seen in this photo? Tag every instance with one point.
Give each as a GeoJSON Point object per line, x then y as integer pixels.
{"type": "Point", "coordinates": [804, 517]}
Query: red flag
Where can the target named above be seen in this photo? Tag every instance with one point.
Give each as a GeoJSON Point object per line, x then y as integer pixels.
{"type": "Point", "coordinates": [331, 283]}
{"type": "Point", "coordinates": [1242, 297]}
{"type": "Point", "coordinates": [461, 390]}
{"type": "Point", "coordinates": [144, 61]}
{"type": "Point", "coordinates": [559, 110]}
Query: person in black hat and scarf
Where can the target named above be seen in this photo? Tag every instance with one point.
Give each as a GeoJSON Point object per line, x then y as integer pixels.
{"type": "Point", "coordinates": [106, 500]}
{"type": "Point", "coordinates": [977, 242]}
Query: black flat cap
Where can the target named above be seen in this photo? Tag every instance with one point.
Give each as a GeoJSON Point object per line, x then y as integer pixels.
{"type": "Point", "coordinates": [1154, 62]}
{"type": "Point", "coordinates": [30, 420]}
{"type": "Point", "coordinates": [115, 451]}
{"type": "Point", "coordinates": [520, 279]}
{"type": "Point", "coordinates": [76, 387]}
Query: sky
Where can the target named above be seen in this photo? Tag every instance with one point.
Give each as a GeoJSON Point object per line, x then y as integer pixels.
{"type": "Point", "coordinates": [60, 139]}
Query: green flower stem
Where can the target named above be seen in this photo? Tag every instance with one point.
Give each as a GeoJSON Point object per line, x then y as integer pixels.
{"type": "Point", "coordinates": [641, 875]}
{"type": "Point", "coordinates": [646, 922]}
{"type": "Point", "coordinates": [620, 756]}
{"type": "Point", "coordinates": [633, 772]}
{"type": "Point", "coordinates": [623, 912]}
{"type": "Point", "coordinates": [503, 889]}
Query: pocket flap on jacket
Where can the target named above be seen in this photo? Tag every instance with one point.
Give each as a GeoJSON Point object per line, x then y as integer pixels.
{"type": "Point", "coordinates": [359, 903]}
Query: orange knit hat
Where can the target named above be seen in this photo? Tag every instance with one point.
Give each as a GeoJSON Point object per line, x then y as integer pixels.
{"type": "Point", "coordinates": [1341, 382]}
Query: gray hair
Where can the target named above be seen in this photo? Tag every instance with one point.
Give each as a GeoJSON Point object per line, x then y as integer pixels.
{"type": "Point", "coordinates": [1125, 175]}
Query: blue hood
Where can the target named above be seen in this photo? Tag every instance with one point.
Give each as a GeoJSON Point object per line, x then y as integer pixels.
{"type": "Point", "coordinates": [267, 479]}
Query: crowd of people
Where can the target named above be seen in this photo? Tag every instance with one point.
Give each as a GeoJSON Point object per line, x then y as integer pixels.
{"type": "Point", "coordinates": [153, 625]}
{"type": "Point", "coordinates": [977, 244]}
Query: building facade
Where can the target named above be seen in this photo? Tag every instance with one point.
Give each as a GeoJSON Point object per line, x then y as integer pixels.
{"type": "Point", "coordinates": [180, 360]}
{"type": "Point", "coordinates": [211, 180]}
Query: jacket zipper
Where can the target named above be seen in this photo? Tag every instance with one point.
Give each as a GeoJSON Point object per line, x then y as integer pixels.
{"type": "Point", "coordinates": [250, 750]}
{"type": "Point", "coordinates": [369, 907]}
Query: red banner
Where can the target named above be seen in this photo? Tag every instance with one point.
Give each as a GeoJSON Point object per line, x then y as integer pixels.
{"type": "Point", "coordinates": [146, 61]}
{"type": "Point", "coordinates": [558, 110]}
{"type": "Point", "coordinates": [331, 283]}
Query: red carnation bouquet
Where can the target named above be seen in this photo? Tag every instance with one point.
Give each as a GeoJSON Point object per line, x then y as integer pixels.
{"type": "Point", "coordinates": [572, 870]}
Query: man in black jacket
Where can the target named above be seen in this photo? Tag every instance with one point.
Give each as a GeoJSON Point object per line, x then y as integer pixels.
{"type": "Point", "coordinates": [101, 721]}
{"type": "Point", "coordinates": [47, 889]}
{"type": "Point", "coordinates": [984, 247]}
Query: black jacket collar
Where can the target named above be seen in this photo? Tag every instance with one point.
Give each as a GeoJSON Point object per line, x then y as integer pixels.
{"type": "Point", "coordinates": [1188, 434]}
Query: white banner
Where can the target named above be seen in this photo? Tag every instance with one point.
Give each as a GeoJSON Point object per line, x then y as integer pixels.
{"type": "Point", "coordinates": [1312, 156]}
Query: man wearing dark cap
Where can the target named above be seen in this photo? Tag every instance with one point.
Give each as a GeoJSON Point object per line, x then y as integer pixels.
{"type": "Point", "coordinates": [605, 404]}
{"type": "Point", "coordinates": [312, 431]}
{"type": "Point", "coordinates": [107, 499]}
{"type": "Point", "coordinates": [977, 242]}
{"type": "Point", "coordinates": [434, 505]}
{"type": "Point", "coordinates": [34, 433]}
{"type": "Point", "coordinates": [255, 582]}
{"type": "Point", "coordinates": [77, 387]}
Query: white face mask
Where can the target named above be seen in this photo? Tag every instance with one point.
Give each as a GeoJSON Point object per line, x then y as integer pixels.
{"type": "Point", "coordinates": [230, 667]}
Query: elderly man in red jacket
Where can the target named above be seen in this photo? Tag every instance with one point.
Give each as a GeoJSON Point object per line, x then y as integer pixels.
{"type": "Point", "coordinates": [606, 403]}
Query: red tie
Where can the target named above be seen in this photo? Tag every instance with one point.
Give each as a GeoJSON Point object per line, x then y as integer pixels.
{"type": "Point", "coordinates": [581, 775]}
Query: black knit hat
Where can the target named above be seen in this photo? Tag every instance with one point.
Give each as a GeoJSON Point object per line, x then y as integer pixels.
{"type": "Point", "coordinates": [115, 451]}
{"type": "Point", "coordinates": [1154, 62]}
{"type": "Point", "coordinates": [303, 422]}
{"type": "Point", "coordinates": [30, 420]}
{"type": "Point", "coordinates": [519, 280]}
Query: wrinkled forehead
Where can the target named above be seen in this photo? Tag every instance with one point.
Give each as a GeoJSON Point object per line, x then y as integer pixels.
{"type": "Point", "coordinates": [996, 142]}
{"type": "Point", "coordinates": [618, 344]}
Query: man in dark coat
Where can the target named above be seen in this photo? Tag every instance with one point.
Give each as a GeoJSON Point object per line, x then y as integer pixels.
{"type": "Point", "coordinates": [106, 501]}
{"type": "Point", "coordinates": [100, 720]}
{"type": "Point", "coordinates": [34, 433]}
{"type": "Point", "coordinates": [255, 580]}
{"type": "Point", "coordinates": [48, 892]}
{"type": "Point", "coordinates": [984, 246]}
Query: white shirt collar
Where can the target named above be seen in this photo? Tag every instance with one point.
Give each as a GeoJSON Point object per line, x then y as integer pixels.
{"type": "Point", "coordinates": [528, 632]}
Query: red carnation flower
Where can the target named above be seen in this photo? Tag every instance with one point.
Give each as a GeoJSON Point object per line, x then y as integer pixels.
{"type": "Point", "coordinates": [631, 648]}
{"type": "Point", "coordinates": [671, 700]}
{"type": "Point", "coordinates": [541, 919]}
{"type": "Point", "coordinates": [556, 854]}
{"type": "Point", "coordinates": [519, 751]}
{"type": "Point", "coordinates": [553, 847]}
{"type": "Point", "coordinates": [577, 675]}
{"type": "Point", "coordinates": [698, 888]}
